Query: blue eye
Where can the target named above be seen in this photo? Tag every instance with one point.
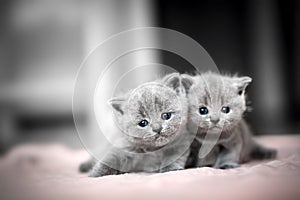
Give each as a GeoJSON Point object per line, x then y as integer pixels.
{"type": "Point", "coordinates": [225, 109]}
{"type": "Point", "coordinates": [143, 123]}
{"type": "Point", "coordinates": [203, 111]}
{"type": "Point", "coordinates": [166, 116]}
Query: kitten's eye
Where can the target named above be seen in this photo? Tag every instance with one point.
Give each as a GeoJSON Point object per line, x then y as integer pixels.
{"type": "Point", "coordinates": [166, 116]}
{"type": "Point", "coordinates": [143, 123]}
{"type": "Point", "coordinates": [203, 111]}
{"type": "Point", "coordinates": [225, 109]}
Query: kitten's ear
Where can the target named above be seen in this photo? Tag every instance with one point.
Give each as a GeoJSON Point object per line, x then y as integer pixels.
{"type": "Point", "coordinates": [242, 84]}
{"type": "Point", "coordinates": [173, 81]}
{"type": "Point", "coordinates": [117, 104]}
{"type": "Point", "coordinates": [187, 81]}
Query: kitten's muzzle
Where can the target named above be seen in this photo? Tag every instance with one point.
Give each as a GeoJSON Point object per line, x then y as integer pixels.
{"type": "Point", "coordinates": [214, 119]}
{"type": "Point", "coordinates": [157, 128]}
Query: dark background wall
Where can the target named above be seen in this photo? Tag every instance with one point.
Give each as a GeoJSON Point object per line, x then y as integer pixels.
{"type": "Point", "coordinates": [254, 38]}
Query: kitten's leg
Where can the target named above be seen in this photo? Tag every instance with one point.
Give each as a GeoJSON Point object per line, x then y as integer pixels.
{"type": "Point", "coordinates": [229, 157]}
{"type": "Point", "coordinates": [179, 164]}
{"type": "Point", "coordinates": [102, 168]}
{"type": "Point", "coordinates": [87, 165]}
{"type": "Point", "coordinates": [192, 159]}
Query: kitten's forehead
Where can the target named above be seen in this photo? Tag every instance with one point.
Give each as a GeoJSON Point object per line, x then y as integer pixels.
{"type": "Point", "coordinates": [213, 89]}
{"type": "Point", "coordinates": [152, 98]}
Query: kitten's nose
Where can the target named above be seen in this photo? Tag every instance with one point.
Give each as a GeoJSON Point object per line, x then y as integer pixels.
{"type": "Point", "coordinates": [215, 119]}
{"type": "Point", "coordinates": [156, 128]}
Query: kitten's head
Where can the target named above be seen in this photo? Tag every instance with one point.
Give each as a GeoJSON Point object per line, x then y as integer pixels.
{"type": "Point", "coordinates": [153, 113]}
{"type": "Point", "coordinates": [216, 102]}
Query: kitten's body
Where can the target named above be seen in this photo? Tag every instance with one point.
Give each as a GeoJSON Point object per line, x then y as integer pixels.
{"type": "Point", "coordinates": [152, 148]}
{"type": "Point", "coordinates": [222, 103]}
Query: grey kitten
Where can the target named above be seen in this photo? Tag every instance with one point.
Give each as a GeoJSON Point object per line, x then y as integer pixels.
{"type": "Point", "coordinates": [153, 121]}
{"type": "Point", "coordinates": [216, 107]}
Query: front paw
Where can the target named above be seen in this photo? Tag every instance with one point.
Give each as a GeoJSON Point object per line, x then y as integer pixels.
{"type": "Point", "coordinates": [85, 167]}
{"type": "Point", "coordinates": [103, 170]}
{"type": "Point", "coordinates": [172, 167]}
{"type": "Point", "coordinates": [228, 166]}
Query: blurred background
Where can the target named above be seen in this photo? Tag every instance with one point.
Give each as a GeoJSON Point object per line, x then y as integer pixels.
{"type": "Point", "coordinates": [42, 44]}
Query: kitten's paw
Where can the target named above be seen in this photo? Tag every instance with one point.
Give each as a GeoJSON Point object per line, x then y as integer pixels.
{"type": "Point", "coordinates": [103, 170]}
{"type": "Point", "coordinates": [272, 153]}
{"type": "Point", "coordinates": [85, 167]}
{"type": "Point", "coordinates": [173, 167]}
{"type": "Point", "coordinates": [228, 166]}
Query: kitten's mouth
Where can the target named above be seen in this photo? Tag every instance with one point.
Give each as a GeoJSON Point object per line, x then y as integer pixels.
{"type": "Point", "coordinates": [150, 136]}
{"type": "Point", "coordinates": [158, 137]}
{"type": "Point", "coordinates": [215, 127]}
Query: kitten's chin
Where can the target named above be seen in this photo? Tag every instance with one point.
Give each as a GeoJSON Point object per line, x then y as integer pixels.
{"type": "Point", "coordinates": [218, 129]}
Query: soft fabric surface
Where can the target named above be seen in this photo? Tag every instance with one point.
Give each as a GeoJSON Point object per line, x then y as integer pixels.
{"type": "Point", "coordinates": [51, 172]}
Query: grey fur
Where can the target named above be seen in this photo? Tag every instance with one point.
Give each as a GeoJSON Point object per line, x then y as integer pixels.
{"type": "Point", "coordinates": [235, 144]}
{"type": "Point", "coordinates": [148, 101]}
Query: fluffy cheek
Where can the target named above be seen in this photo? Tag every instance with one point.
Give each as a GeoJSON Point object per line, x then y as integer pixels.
{"type": "Point", "coordinates": [169, 129]}
{"type": "Point", "coordinates": [232, 119]}
{"type": "Point", "coordinates": [196, 121]}
{"type": "Point", "coordinates": [172, 126]}
{"type": "Point", "coordinates": [134, 131]}
{"type": "Point", "coordinates": [203, 121]}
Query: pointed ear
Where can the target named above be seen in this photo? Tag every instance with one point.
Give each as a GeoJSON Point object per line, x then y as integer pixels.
{"type": "Point", "coordinates": [173, 81]}
{"type": "Point", "coordinates": [117, 104]}
{"type": "Point", "coordinates": [242, 83]}
{"type": "Point", "coordinates": [187, 81]}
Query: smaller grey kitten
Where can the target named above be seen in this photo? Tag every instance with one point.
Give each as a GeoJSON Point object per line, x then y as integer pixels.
{"type": "Point", "coordinates": [153, 121]}
{"type": "Point", "coordinates": [216, 107]}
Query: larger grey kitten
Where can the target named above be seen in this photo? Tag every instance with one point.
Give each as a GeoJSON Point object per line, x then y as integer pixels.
{"type": "Point", "coordinates": [216, 107]}
{"type": "Point", "coordinates": [153, 121]}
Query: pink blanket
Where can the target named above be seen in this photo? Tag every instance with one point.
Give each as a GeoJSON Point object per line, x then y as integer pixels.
{"type": "Point", "coordinates": [51, 172]}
